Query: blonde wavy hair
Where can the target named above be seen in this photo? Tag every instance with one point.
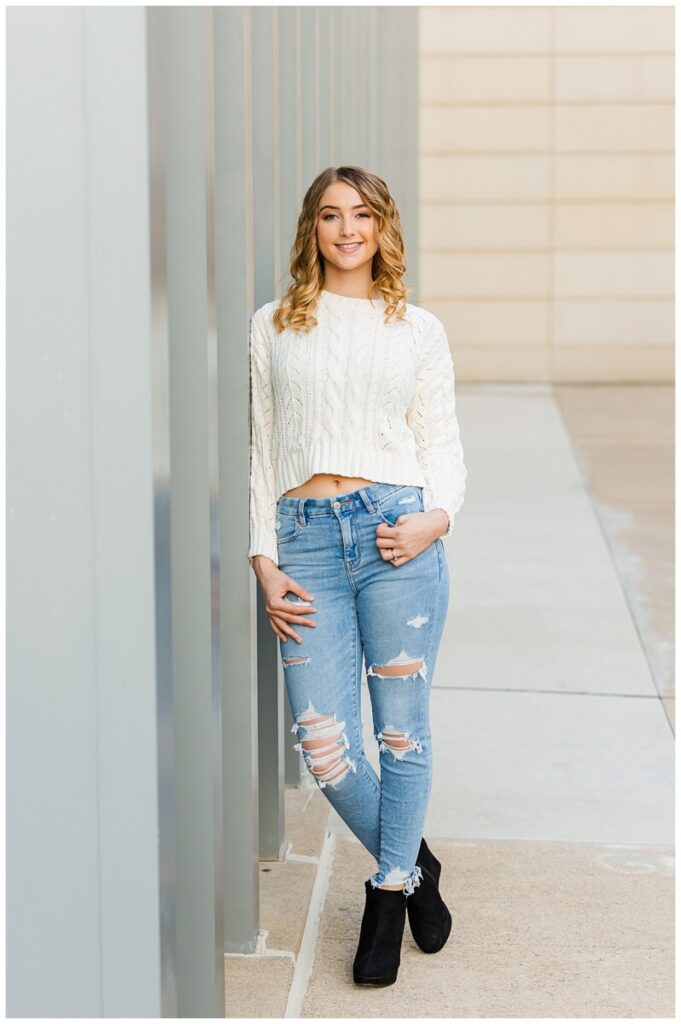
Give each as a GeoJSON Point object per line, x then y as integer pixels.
{"type": "Point", "coordinates": [297, 304]}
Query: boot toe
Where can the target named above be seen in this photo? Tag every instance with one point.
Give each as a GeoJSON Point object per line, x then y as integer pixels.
{"type": "Point", "coordinates": [429, 917]}
{"type": "Point", "coordinates": [363, 974]}
{"type": "Point", "coordinates": [432, 937]}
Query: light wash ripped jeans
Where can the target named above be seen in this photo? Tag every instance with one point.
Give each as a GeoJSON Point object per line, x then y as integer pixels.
{"type": "Point", "coordinates": [393, 617]}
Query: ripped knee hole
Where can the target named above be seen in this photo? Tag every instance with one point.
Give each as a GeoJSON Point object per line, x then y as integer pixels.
{"type": "Point", "coordinates": [396, 741]}
{"type": "Point", "coordinates": [324, 747]}
{"type": "Point", "coordinates": [401, 666]}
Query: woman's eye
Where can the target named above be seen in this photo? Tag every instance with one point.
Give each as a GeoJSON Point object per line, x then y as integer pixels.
{"type": "Point", "coordinates": [328, 216]}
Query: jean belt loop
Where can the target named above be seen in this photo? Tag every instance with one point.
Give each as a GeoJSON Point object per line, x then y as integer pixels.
{"type": "Point", "coordinates": [368, 503]}
{"type": "Point", "coordinates": [301, 511]}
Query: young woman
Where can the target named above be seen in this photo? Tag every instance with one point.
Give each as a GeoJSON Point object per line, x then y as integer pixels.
{"type": "Point", "coordinates": [356, 474]}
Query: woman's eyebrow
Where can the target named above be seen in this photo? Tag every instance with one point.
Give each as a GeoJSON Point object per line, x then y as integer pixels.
{"type": "Point", "coordinates": [327, 206]}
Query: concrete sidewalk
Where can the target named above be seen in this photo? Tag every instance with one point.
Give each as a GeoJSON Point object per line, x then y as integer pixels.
{"type": "Point", "coordinates": [552, 715]}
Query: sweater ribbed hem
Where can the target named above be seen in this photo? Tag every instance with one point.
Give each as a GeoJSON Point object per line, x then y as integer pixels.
{"type": "Point", "coordinates": [336, 456]}
{"type": "Point", "coordinates": [333, 455]}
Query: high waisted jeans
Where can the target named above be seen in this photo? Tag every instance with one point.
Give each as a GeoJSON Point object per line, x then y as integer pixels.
{"type": "Point", "coordinates": [393, 617]}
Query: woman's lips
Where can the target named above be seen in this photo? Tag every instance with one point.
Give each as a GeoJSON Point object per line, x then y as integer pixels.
{"type": "Point", "coordinates": [350, 249]}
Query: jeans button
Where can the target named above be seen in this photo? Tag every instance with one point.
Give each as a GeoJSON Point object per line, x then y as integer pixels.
{"type": "Point", "coordinates": [336, 504]}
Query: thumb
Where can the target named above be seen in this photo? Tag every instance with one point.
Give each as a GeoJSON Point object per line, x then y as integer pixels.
{"type": "Point", "coordinates": [299, 589]}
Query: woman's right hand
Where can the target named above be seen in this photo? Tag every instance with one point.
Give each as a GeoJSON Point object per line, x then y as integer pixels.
{"type": "Point", "coordinates": [275, 584]}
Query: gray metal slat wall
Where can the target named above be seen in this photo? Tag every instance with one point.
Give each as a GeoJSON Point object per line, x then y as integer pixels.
{"type": "Point", "coordinates": [288, 138]}
{"type": "Point", "coordinates": [245, 106]}
{"type": "Point", "coordinates": [234, 289]}
{"type": "Point", "coordinates": [82, 870]}
{"type": "Point", "coordinates": [182, 115]}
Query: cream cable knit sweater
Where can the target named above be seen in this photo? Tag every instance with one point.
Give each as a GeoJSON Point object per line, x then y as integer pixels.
{"type": "Point", "coordinates": [354, 396]}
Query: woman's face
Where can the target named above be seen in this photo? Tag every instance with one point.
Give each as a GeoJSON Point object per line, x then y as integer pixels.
{"type": "Point", "coordinates": [344, 218]}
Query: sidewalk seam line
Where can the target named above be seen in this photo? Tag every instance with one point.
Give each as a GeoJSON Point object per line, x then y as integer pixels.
{"type": "Point", "coordinates": [305, 960]}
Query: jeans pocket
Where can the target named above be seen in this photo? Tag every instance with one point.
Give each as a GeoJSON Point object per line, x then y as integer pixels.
{"type": "Point", "coordinates": [399, 503]}
{"type": "Point", "coordinates": [287, 527]}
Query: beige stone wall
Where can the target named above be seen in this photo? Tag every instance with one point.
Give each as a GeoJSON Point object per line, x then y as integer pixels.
{"type": "Point", "coordinates": [547, 190]}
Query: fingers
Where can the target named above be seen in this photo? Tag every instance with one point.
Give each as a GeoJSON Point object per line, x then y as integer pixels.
{"type": "Point", "coordinates": [389, 548]}
{"type": "Point", "coordinates": [387, 554]}
{"type": "Point", "coordinates": [391, 554]}
{"type": "Point", "coordinates": [282, 612]}
{"type": "Point", "coordinates": [383, 530]}
{"type": "Point", "coordinates": [292, 617]}
{"type": "Point", "coordinates": [276, 628]}
{"type": "Point", "coordinates": [279, 620]}
{"type": "Point", "coordinates": [288, 624]}
{"type": "Point", "coordinates": [398, 544]}
{"type": "Point", "coordinates": [387, 539]}
{"type": "Point", "coordinates": [283, 630]}
{"type": "Point", "coordinates": [389, 535]}
{"type": "Point", "coordinates": [290, 610]}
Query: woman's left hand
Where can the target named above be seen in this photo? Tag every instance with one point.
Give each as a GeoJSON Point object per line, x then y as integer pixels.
{"type": "Point", "coordinates": [412, 533]}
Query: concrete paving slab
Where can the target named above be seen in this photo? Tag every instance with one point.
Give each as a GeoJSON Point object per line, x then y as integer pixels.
{"type": "Point", "coordinates": [257, 987]}
{"type": "Point", "coordinates": [540, 930]}
{"type": "Point", "coordinates": [571, 649]}
{"type": "Point", "coordinates": [551, 766]}
{"type": "Point", "coordinates": [284, 893]}
{"type": "Point", "coordinates": [624, 439]}
{"type": "Point", "coordinates": [642, 546]}
{"type": "Point", "coordinates": [480, 535]}
{"type": "Point", "coordinates": [617, 412]}
{"type": "Point", "coordinates": [258, 984]}
{"type": "Point", "coordinates": [632, 473]}
{"type": "Point", "coordinates": [551, 580]}
{"type": "Point", "coordinates": [514, 765]}
{"type": "Point", "coordinates": [536, 601]}
{"type": "Point", "coordinates": [306, 816]}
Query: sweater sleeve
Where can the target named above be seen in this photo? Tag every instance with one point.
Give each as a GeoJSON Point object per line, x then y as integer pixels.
{"type": "Point", "coordinates": [432, 418]}
{"type": "Point", "coordinates": [263, 498]}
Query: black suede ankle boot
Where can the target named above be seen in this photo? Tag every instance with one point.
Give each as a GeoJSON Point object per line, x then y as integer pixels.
{"type": "Point", "coordinates": [380, 938]}
{"type": "Point", "coordinates": [429, 918]}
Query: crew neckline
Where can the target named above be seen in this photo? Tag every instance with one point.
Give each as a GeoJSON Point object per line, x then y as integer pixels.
{"type": "Point", "coordinates": [348, 300]}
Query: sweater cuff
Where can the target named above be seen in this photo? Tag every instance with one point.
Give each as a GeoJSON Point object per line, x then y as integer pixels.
{"type": "Point", "coordinates": [449, 505]}
{"type": "Point", "coordinates": [450, 527]}
{"type": "Point", "coordinates": [264, 542]}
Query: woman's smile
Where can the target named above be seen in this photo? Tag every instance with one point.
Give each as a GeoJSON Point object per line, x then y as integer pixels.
{"type": "Point", "coordinates": [348, 247]}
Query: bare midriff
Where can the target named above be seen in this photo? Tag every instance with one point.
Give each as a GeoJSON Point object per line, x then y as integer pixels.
{"type": "Point", "coordinates": [327, 485]}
